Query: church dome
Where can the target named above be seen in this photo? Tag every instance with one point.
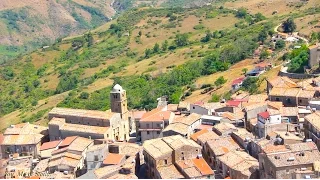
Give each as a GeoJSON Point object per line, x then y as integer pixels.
{"type": "Point", "coordinates": [117, 88]}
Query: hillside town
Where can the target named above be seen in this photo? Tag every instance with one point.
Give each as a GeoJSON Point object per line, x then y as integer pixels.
{"type": "Point", "coordinates": [273, 135]}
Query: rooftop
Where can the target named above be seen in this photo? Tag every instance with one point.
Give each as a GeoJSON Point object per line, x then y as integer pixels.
{"type": "Point", "coordinates": [169, 172]}
{"type": "Point", "coordinates": [238, 80]}
{"type": "Point", "coordinates": [97, 147]}
{"type": "Point", "coordinates": [233, 116]}
{"type": "Point", "coordinates": [177, 141]}
{"type": "Point", "coordinates": [50, 145]}
{"type": "Point", "coordinates": [156, 148]}
{"type": "Point", "coordinates": [314, 119]}
{"type": "Point", "coordinates": [253, 105]}
{"type": "Point", "coordinates": [224, 127]}
{"type": "Point", "coordinates": [203, 138]}
{"type": "Point", "coordinates": [138, 114]}
{"type": "Point", "coordinates": [282, 82]}
{"type": "Point", "coordinates": [24, 129]}
{"type": "Point", "coordinates": [103, 172]}
{"type": "Point", "coordinates": [288, 136]}
{"type": "Point", "coordinates": [264, 115]}
{"type": "Point", "coordinates": [117, 88]}
{"type": "Point", "coordinates": [195, 136]}
{"type": "Point", "coordinates": [258, 98]}
{"type": "Point", "coordinates": [66, 158]}
{"type": "Point", "coordinates": [80, 144]}
{"type": "Point", "coordinates": [22, 139]}
{"type": "Point", "coordinates": [289, 111]}
{"type": "Point", "coordinates": [234, 158]}
{"type": "Point", "coordinates": [104, 115]}
{"type": "Point", "coordinates": [188, 120]}
{"type": "Point", "coordinates": [290, 159]}
{"type": "Point", "coordinates": [113, 159]}
{"type": "Point", "coordinates": [172, 107]}
{"type": "Point", "coordinates": [183, 104]}
{"type": "Point", "coordinates": [194, 168]}
{"type": "Point", "coordinates": [83, 128]}
{"type": "Point", "coordinates": [178, 127]}
{"type": "Point", "coordinates": [213, 105]}
{"type": "Point", "coordinates": [275, 105]}
{"type": "Point", "coordinates": [279, 91]}
{"type": "Point", "coordinates": [233, 103]}
{"type": "Point", "coordinates": [243, 134]}
{"type": "Point", "coordinates": [222, 145]}
{"type": "Point", "coordinates": [157, 115]}
{"type": "Point", "coordinates": [67, 141]}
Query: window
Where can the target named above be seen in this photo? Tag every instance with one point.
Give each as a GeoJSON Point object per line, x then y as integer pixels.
{"type": "Point", "coordinates": [147, 125]}
{"type": "Point", "coordinates": [96, 158]}
{"type": "Point", "coordinates": [277, 99]}
{"type": "Point", "coordinates": [165, 161]}
{"type": "Point", "coordinates": [158, 125]}
{"type": "Point", "coordinates": [158, 132]}
{"type": "Point", "coordinates": [193, 107]}
{"type": "Point", "coordinates": [148, 132]}
{"type": "Point", "coordinates": [300, 101]}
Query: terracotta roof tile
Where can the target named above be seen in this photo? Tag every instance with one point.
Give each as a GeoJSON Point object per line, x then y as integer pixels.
{"type": "Point", "coordinates": [238, 80]}
{"type": "Point", "coordinates": [157, 115]}
{"type": "Point", "coordinates": [113, 159]}
{"type": "Point", "coordinates": [197, 134]}
{"type": "Point", "coordinates": [169, 172]}
{"type": "Point", "coordinates": [138, 114]}
{"type": "Point", "coordinates": [203, 167]}
{"type": "Point", "coordinates": [283, 82]}
{"type": "Point", "coordinates": [67, 141]}
{"type": "Point", "coordinates": [50, 145]}
{"type": "Point", "coordinates": [264, 115]}
{"type": "Point", "coordinates": [233, 103]}
{"type": "Point", "coordinates": [172, 107]}
{"type": "Point", "coordinates": [105, 115]}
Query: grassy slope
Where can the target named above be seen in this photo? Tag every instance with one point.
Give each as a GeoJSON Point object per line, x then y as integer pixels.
{"type": "Point", "coordinates": [180, 56]}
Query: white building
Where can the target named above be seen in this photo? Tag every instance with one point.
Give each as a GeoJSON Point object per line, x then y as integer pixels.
{"type": "Point", "coordinates": [265, 119]}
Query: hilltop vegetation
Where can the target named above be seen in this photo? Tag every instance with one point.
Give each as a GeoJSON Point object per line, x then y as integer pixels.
{"type": "Point", "coordinates": [149, 51]}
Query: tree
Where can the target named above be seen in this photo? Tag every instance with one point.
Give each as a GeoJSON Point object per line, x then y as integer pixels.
{"type": "Point", "coordinates": [259, 17]}
{"type": "Point", "coordinates": [263, 36]}
{"type": "Point", "coordinates": [220, 81]}
{"type": "Point", "coordinates": [241, 13]}
{"type": "Point", "coordinates": [289, 26]}
{"type": "Point", "coordinates": [208, 36]}
{"type": "Point", "coordinates": [156, 48]}
{"type": "Point", "coordinates": [280, 44]}
{"type": "Point", "coordinates": [244, 70]}
{"type": "Point", "coordinates": [89, 38]}
{"type": "Point", "coordinates": [148, 53]}
{"type": "Point", "coordinates": [215, 98]}
{"type": "Point", "coordinates": [140, 33]}
{"type": "Point", "coordinates": [264, 55]}
{"type": "Point", "coordinates": [84, 95]}
{"type": "Point", "coordinates": [182, 39]}
{"type": "Point", "coordinates": [165, 45]}
{"type": "Point", "coordinates": [250, 85]}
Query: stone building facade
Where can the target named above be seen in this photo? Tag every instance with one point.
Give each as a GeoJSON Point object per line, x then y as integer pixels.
{"type": "Point", "coordinates": [175, 157]}
{"type": "Point", "coordinates": [111, 124]}
{"type": "Point", "coordinates": [314, 59]}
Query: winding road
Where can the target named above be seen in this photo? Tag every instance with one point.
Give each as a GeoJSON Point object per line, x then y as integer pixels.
{"type": "Point", "coordinates": [297, 36]}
